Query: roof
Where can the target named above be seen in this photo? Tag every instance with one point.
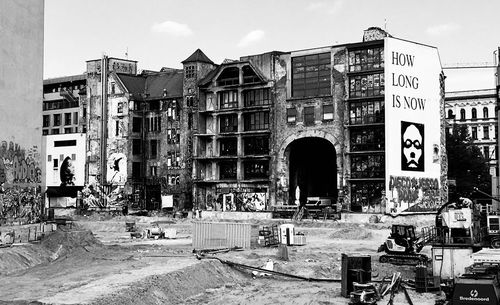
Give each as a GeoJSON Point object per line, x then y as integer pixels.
{"type": "Point", "coordinates": [64, 79]}
{"type": "Point", "coordinates": [468, 94]}
{"type": "Point", "coordinates": [198, 56]}
{"type": "Point", "coordinates": [154, 84]}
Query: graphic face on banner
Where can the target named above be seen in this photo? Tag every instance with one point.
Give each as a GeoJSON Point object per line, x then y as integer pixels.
{"type": "Point", "coordinates": [412, 146]}
{"type": "Point", "coordinates": [67, 172]}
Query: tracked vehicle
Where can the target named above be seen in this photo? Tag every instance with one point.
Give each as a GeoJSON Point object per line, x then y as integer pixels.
{"type": "Point", "coordinates": [402, 247]}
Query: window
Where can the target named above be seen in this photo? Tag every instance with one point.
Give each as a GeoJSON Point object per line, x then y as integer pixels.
{"type": "Point", "coordinates": [67, 119]}
{"type": "Point", "coordinates": [496, 131]}
{"type": "Point", "coordinates": [366, 85]}
{"type": "Point", "coordinates": [230, 76]}
{"type": "Point", "coordinates": [84, 112]}
{"type": "Point", "coordinates": [229, 123]}
{"type": "Point", "coordinates": [309, 116]}
{"type": "Point", "coordinates": [190, 120]}
{"type": "Point", "coordinates": [486, 132]}
{"type": "Point", "coordinates": [450, 114]}
{"type": "Point", "coordinates": [57, 119]}
{"type": "Point", "coordinates": [153, 170]}
{"type": "Point", "coordinates": [249, 75]}
{"type": "Point", "coordinates": [462, 114]}
{"type": "Point", "coordinates": [75, 118]}
{"type": "Point", "coordinates": [311, 75]}
{"type": "Point", "coordinates": [474, 113]}
{"type": "Point", "coordinates": [119, 108]}
{"type": "Point", "coordinates": [113, 89]}
{"type": "Point", "coordinates": [46, 120]}
{"type": "Point", "coordinates": [496, 153]}
{"type": "Point", "coordinates": [327, 112]}
{"type": "Point", "coordinates": [228, 146]}
{"type": "Point", "coordinates": [55, 131]}
{"type": "Point", "coordinates": [256, 145]}
{"type": "Point", "coordinates": [190, 71]}
{"type": "Point", "coordinates": [136, 170]}
{"type": "Point", "coordinates": [153, 124]}
{"type": "Point", "coordinates": [173, 136]}
{"type": "Point", "coordinates": [227, 170]}
{"type": "Point", "coordinates": [67, 130]}
{"type": "Point", "coordinates": [228, 99]}
{"type": "Point", "coordinates": [474, 133]}
{"type": "Point", "coordinates": [173, 159]}
{"type": "Point", "coordinates": [256, 121]}
{"type": "Point", "coordinates": [485, 112]}
{"type": "Point", "coordinates": [486, 151]}
{"type": "Point", "coordinates": [153, 152]}
{"type": "Point", "coordinates": [367, 196]}
{"type": "Point", "coordinates": [55, 163]}
{"type": "Point", "coordinates": [45, 132]}
{"type": "Point", "coordinates": [257, 97]}
{"type": "Point", "coordinates": [369, 139]}
{"type": "Point", "coordinates": [367, 166]}
{"type": "Point", "coordinates": [173, 179]}
{"type": "Point", "coordinates": [190, 101]}
{"type": "Point", "coordinates": [172, 110]}
{"type": "Point", "coordinates": [73, 157]}
{"type": "Point", "coordinates": [136, 124]}
{"type": "Point", "coordinates": [136, 146]}
{"type": "Point", "coordinates": [256, 169]}
{"type": "Point", "coordinates": [366, 112]}
{"type": "Point", "coordinates": [64, 143]}
{"type": "Point", "coordinates": [291, 115]}
{"type": "Point", "coordinates": [367, 59]}
{"type": "Point", "coordinates": [117, 128]}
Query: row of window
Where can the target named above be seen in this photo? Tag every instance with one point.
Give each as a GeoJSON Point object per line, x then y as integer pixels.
{"type": "Point", "coordinates": [486, 132]}
{"type": "Point", "coordinates": [258, 169]}
{"type": "Point", "coordinates": [366, 59]}
{"type": "Point", "coordinates": [251, 146]}
{"type": "Point", "coordinates": [229, 99]}
{"type": "Point", "coordinates": [251, 121]}
{"type": "Point", "coordinates": [473, 114]}
{"type": "Point", "coordinates": [65, 130]}
{"type": "Point", "coordinates": [69, 119]}
{"type": "Point", "coordinates": [231, 76]}
{"type": "Point", "coordinates": [309, 114]}
{"type": "Point", "coordinates": [366, 112]}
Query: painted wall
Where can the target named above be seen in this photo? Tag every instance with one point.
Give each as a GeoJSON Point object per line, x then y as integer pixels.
{"type": "Point", "coordinates": [21, 82]}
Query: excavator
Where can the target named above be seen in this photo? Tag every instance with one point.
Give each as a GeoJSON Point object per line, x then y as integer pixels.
{"type": "Point", "coordinates": [402, 247]}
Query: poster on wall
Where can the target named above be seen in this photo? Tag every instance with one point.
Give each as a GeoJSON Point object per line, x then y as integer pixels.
{"type": "Point", "coordinates": [117, 169]}
{"type": "Point", "coordinates": [65, 163]}
{"type": "Point", "coordinates": [412, 127]}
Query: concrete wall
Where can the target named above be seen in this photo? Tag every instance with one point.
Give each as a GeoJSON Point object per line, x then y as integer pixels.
{"type": "Point", "coordinates": [21, 92]}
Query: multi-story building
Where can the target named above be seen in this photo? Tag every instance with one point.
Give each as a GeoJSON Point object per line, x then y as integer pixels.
{"type": "Point", "coordinates": [62, 97]}
{"type": "Point", "coordinates": [477, 109]}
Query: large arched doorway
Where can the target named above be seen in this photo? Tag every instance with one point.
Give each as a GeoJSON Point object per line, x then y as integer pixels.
{"type": "Point", "coordinates": [313, 167]}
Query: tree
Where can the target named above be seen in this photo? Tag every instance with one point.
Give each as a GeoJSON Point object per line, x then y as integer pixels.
{"type": "Point", "coordinates": [466, 164]}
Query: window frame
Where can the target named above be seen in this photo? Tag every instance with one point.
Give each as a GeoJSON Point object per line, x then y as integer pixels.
{"type": "Point", "coordinates": [309, 115]}
{"type": "Point", "coordinates": [311, 75]}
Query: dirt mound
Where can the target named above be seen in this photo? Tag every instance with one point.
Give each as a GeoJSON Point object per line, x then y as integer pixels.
{"type": "Point", "coordinates": [352, 233]}
{"type": "Point", "coordinates": [54, 245]}
{"type": "Point", "coordinates": [176, 287]}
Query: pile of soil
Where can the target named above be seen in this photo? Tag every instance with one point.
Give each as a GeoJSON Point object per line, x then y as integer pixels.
{"type": "Point", "coordinates": [53, 246]}
{"type": "Point", "coordinates": [177, 287]}
{"type": "Point", "coordinates": [352, 233]}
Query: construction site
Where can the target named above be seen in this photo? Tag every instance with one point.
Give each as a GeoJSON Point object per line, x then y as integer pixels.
{"type": "Point", "coordinates": [449, 257]}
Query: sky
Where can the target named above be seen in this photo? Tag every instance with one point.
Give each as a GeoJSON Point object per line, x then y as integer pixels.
{"type": "Point", "coordinates": [162, 33]}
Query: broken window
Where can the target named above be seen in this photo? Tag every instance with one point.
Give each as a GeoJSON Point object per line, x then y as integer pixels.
{"type": "Point", "coordinates": [327, 112]}
{"type": "Point", "coordinates": [113, 88]}
{"type": "Point", "coordinates": [136, 170]}
{"type": "Point", "coordinates": [366, 112]}
{"type": "Point", "coordinates": [229, 76]}
{"type": "Point", "coordinates": [256, 169]}
{"type": "Point", "coordinates": [256, 121]}
{"type": "Point", "coordinates": [309, 115]}
{"type": "Point", "coordinates": [227, 170]}
{"type": "Point", "coordinates": [256, 145]}
{"type": "Point", "coordinates": [190, 71]}
{"type": "Point", "coordinates": [258, 97]}
{"type": "Point", "coordinates": [229, 123]}
{"type": "Point", "coordinates": [117, 128]}
{"type": "Point", "coordinates": [311, 75]}
{"type": "Point", "coordinates": [136, 124]}
{"type": "Point", "coordinates": [367, 139]}
{"type": "Point", "coordinates": [367, 196]}
{"type": "Point", "coordinates": [120, 107]}
{"type": "Point", "coordinates": [153, 171]}
{"type": "Point", "coordinates": [153, 151]}
{"type": "Point", "coordinates": [136, 146]}
{"type": "Point", "coordinates": [367, 166]}
{"type": "Point", "coordinates": [366, 59]}
{"type": "Point", "coordinates": [173, 179]}
{"type": "Point", "coordinates": [228, 99]}
{"type": "Point", "coordinates": [228, 146]}
{"type": "Point", "coordinates": [249, 75]}
{"type": "Point", "coordinates": [291, 115]}
{"type": "Point", "coordinates": [173, 159]}
{"type": "Point", "coordinates": [366, 85]}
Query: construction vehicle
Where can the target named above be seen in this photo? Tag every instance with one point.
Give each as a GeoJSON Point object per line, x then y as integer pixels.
{"type": "Point", "coordinates": [402, 247]}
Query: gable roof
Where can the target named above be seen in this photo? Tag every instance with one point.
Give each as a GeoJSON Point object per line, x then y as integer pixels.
{"type": "Point", "coordinates": [154, 84]}
{"type": "Point", "coordinates": [198, 56]}
{"type": "Point", "coordinates": [135, 84]}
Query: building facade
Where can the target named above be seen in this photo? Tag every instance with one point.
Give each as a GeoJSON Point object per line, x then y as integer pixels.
{"type": "Point", "coordinates": [21, 78]}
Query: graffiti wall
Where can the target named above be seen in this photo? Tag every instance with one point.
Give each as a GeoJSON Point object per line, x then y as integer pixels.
{"type": "Point", "coordinates": [241, 202]}
{"type": "Point", "coordinates": [20, 176]}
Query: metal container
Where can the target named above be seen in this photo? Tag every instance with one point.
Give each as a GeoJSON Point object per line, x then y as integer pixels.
{"type": "Point", "coordinates": [450, 262]}
{"type": "Point", "coordinates": [217, 235]}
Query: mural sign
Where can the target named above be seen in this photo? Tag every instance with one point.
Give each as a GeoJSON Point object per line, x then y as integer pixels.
{"type": "Point", "coordinates": [412, 126]}
{"type": "Point", "coordinates": [65, 160]}
{"type": "Point", "coordinates": [117, 169]}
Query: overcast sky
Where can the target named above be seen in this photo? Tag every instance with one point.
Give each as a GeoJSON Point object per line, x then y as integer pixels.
{"type": "Point", "coordinates": [162, 33]}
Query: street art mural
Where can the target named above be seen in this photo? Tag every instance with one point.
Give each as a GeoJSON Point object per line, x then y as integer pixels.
{"type": "Point", "coordinates": [20, 176]}
{"type": "Point", "coordinates": [67, 172]}
{"type": "Point", "coordinates": [117, 169]}
{"type": "Point", "coordinates": [240, 202]}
